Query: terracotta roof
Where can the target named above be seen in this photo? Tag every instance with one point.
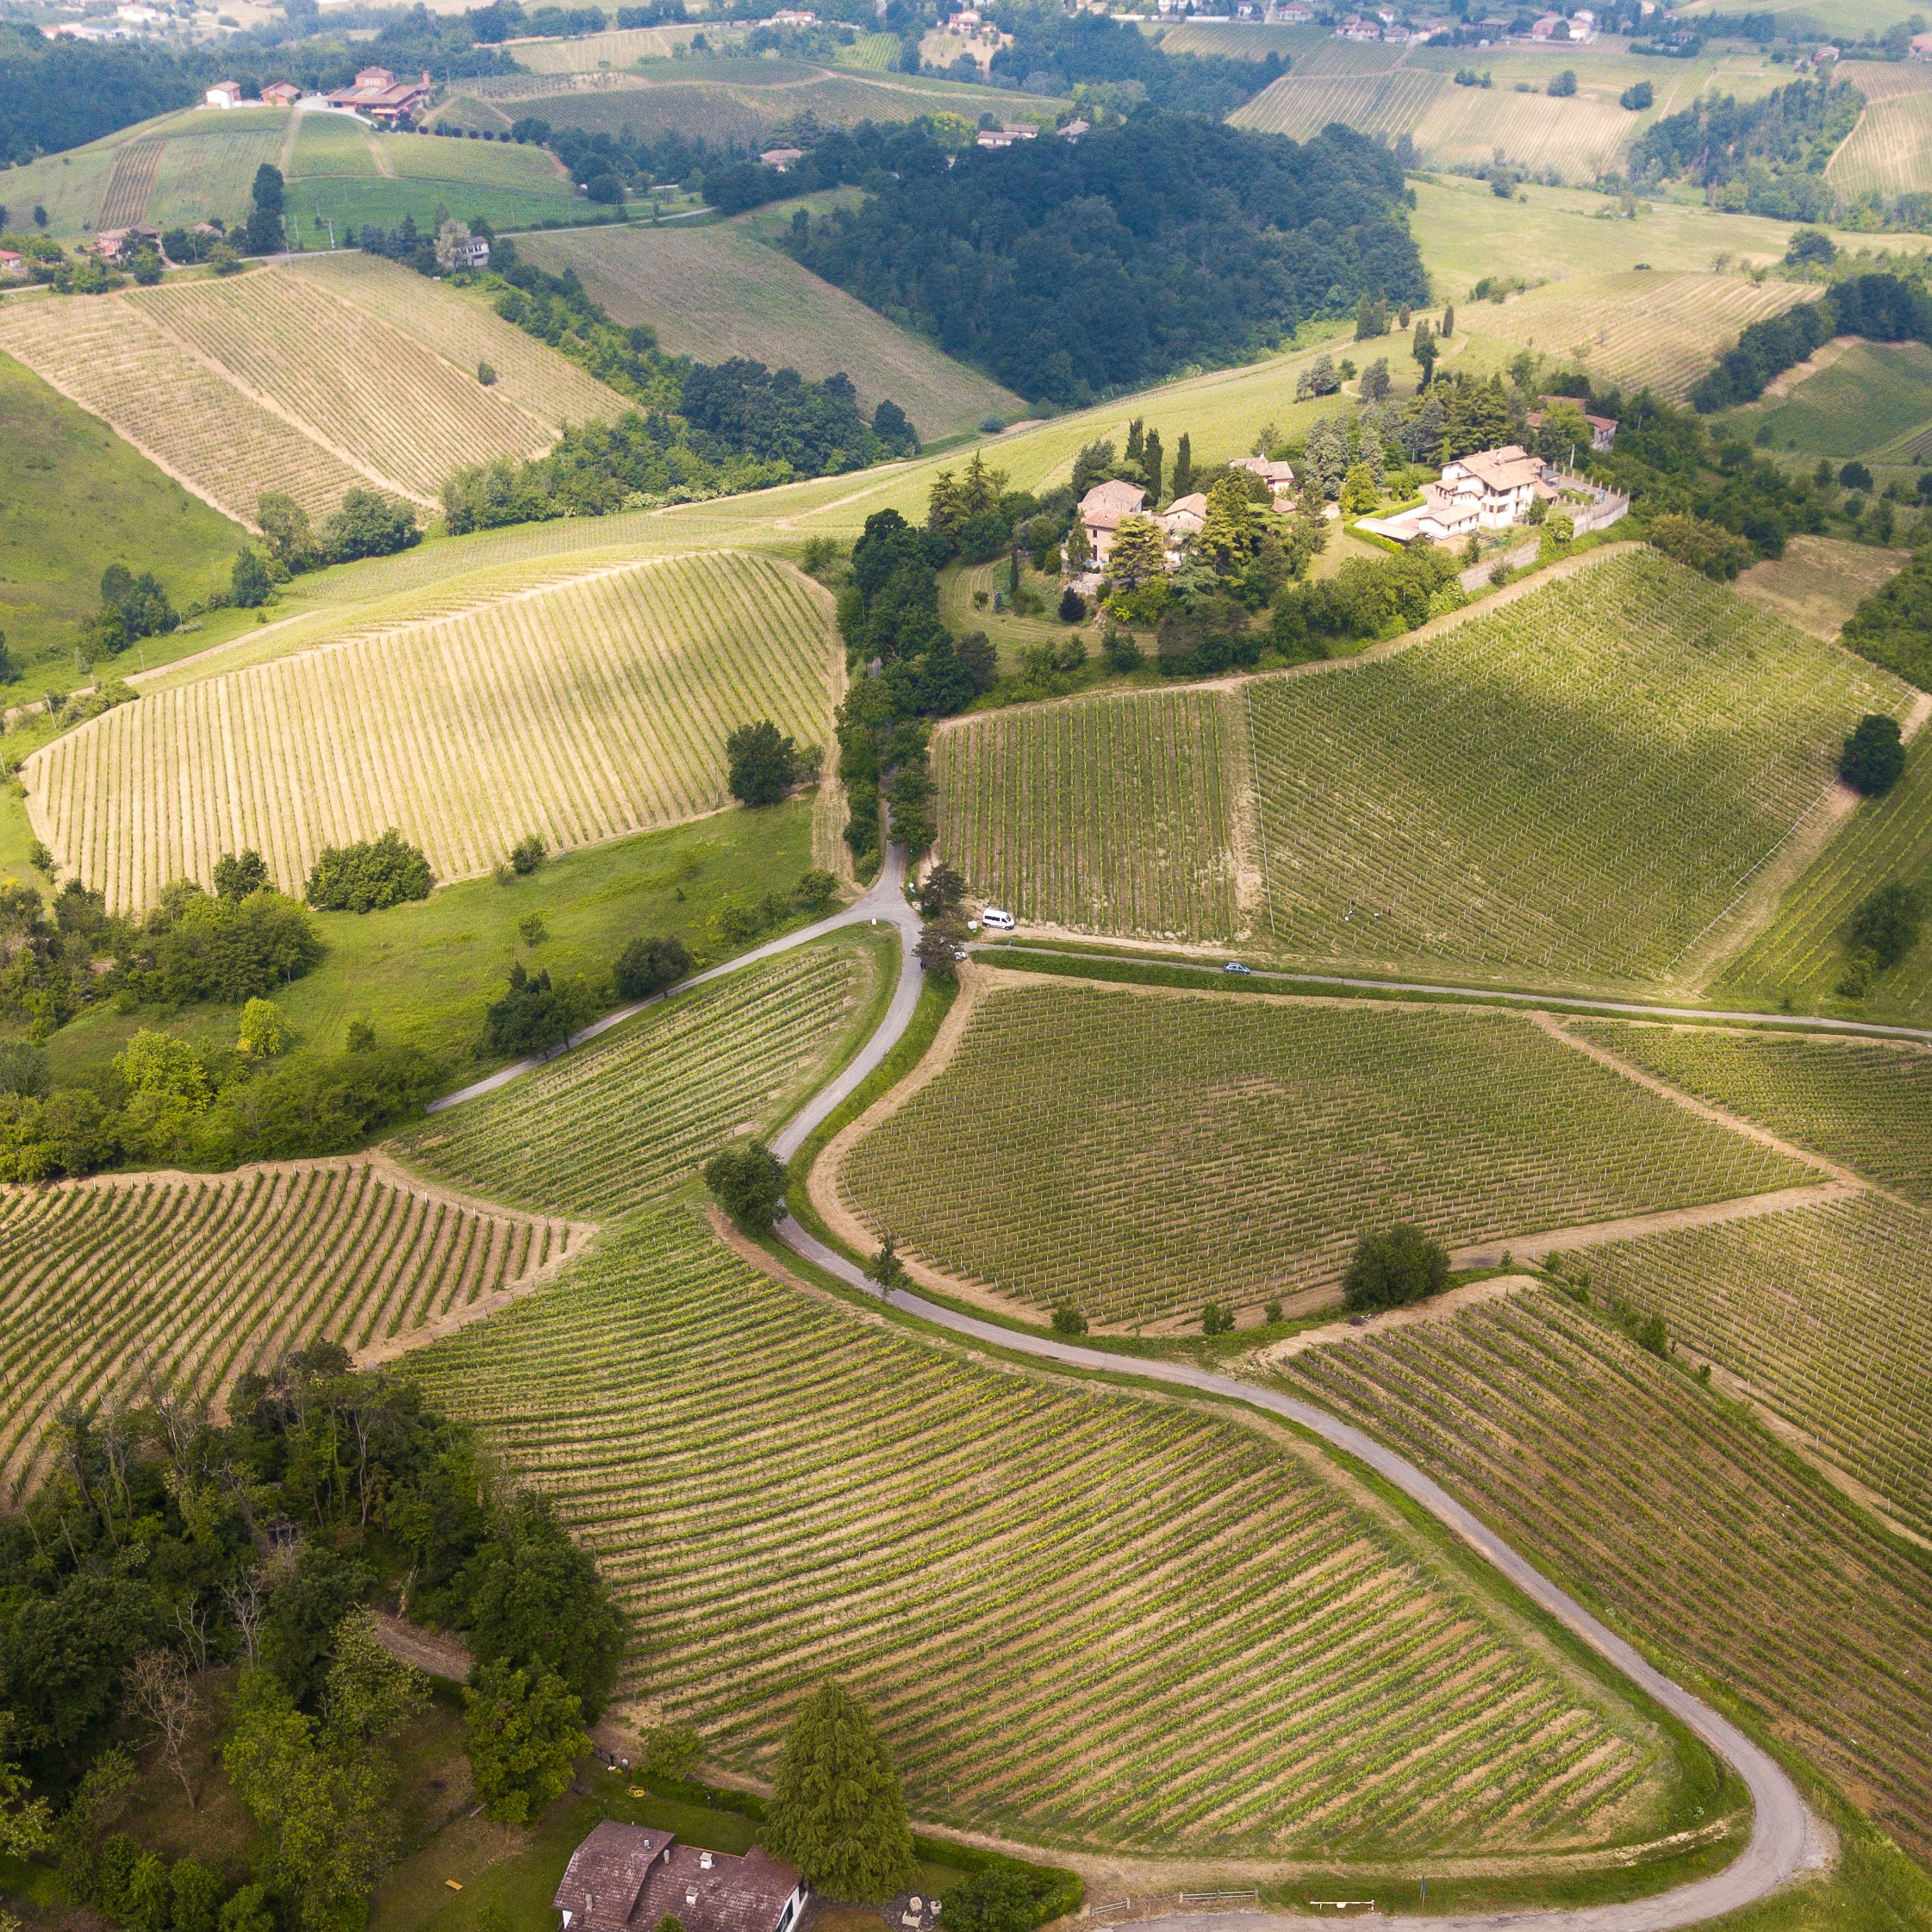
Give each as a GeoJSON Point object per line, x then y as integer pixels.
{"type": "Point", "coordinates": [1508, 468]}
{"type": "Point", "coordinates": [1114, 498]}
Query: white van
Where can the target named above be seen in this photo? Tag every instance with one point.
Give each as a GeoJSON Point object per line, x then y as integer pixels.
{"type": "Point", "coordinates": [996, 921]}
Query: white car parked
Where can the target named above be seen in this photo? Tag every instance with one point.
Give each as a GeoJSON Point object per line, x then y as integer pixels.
{"type": "Point", "coordinates": [997, 921]}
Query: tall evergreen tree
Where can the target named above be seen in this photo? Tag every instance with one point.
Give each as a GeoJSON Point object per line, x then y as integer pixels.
{"type": "Point", "coordinates": [836, 1810]}
{"type": "Point", "coordinates": [1137, 441]}
{"type": "Point", "coordinates": [1151, 461]}
{"type": "Point", "coordinates": [1183, 466]}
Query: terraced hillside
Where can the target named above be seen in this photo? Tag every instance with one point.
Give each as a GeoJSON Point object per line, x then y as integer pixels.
{"type": "Point", "coordinates": [718, 291]}
{"type": "Point", "coordinates": [1142, 1153]}
{"type": "Point", "coordinates": [1582, 782]}
{"type": "Point", "coordinates": [1674, 1516]}
{"type": "Point", "coordinates": [595, 708]}
{"type": "Point", "coordinates": [999, 1565]}
{"type": "Point", "coordinates": [620, 1122]}
{"type": "Point", "coordinates": [1824, 1314]}
{"type": "Point", "coordinates": [200, 1278]}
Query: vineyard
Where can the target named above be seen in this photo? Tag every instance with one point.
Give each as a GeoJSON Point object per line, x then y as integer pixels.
{"type": "Point", "coordinates": [1824, 1314]}
{"type": "Point", "coordinates": [131, 183]}
{"type": "Point", "coordinates": [1144, 1153]}
{"type": "Point", "coordinates": [464, 332]}
{"type": "Point", "coordinates": [1115, 816]}
{"type": "Point", "coordinates": [109, 357]}
{"type": "Point", "coordinates": [581, 712]}
{"type": "Point", "coordinates": [602, 1130]}
{"type": "Point", "coordinates": [202, 1277]}
{"type": "Point", "coordinates": [587, 53]}
{"type": "Point", "coordinates": [1673, 1517]}
{"type": "Point", "coordinates": [1890, 151]}
{"type": "Point", "coordinates": [1801, 955]}
{"type": "Point", "coordinates": [1582, 782]}
{"type": "Point", "coordinates": [1867, 1104]}
{"type": "Point", "coordinates": [716, 292]}
{"type": "Point", "coordinates": [1075, 1616]}
{"type": "Point", "coordinates": [354, 381]}
{"type": "Point", "coordinates": [1639, 328]}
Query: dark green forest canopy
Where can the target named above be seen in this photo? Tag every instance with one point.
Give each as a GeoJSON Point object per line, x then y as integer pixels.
{"type": "Point", "coordinates": [1069, 269]}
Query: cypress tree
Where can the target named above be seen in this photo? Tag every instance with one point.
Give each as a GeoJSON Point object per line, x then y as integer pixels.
{"type": "Point", "coordinates": [1183, 466]}
{"type": "Point", "coordinates": [1151, 462]}
{"type": "Point", "coordinates": [836, 1811]}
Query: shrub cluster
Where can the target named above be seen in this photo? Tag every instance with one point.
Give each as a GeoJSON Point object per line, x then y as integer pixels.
{"type": "Point", "coordinates": [369, 875]}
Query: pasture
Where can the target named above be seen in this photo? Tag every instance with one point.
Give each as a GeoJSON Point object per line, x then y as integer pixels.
{"type": "Point", "coordinates": [1864, 1103]}
{"type": "Point", "coordinates": [718, 291]}
{"type": "Point", "coordinates": [1823, 1314]}
{"type": "Point", "coordinates": [1675, 1516]}
{"type": "Point", "coordinates": [112, 358]}
{"type": "Point", "coordinates": [596, 707]}
{"type": "Point", "coordinates": [998, 1564]}
{"type": "Point", "coordinates": [1142, 1153]}
{"type": "Point", "coordinates": [200, 1278]}
{"type": "Point", "coordinates": [1634, 330]}
{"type": "Point", "coordinates": [1114, 815]}
{"type": "Point", "coordinates": [1800, 956]}
{"type": "Point", "coordinates": [639, 1112]}
{"type": "Point", "coordinates": [1819, 581]}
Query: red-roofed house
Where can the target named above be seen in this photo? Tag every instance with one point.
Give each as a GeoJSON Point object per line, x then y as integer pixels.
{"type": "Point", "coordinates": [623, 1877]}
{"type": "Point", "coordinates": [1603, 429]}
{"type": "Point", "coordinates": [223, 94]}
{"type": "Point", "coordinates": [382, 97]}
{"type": "Point", "coordinates": [282, 94]}
{"type": "Point", "coordinates": [10, 264]}
{"type": "Point", "coordinates": [1101, 510]}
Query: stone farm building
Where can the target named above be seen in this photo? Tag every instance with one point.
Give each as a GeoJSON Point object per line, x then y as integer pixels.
{"type": "Point", "coordinates": [1101, 510]}
{"type": "Point", "coordinates": [1495, 489]}
{"type": "Point", "coordinates": [623, 1877]}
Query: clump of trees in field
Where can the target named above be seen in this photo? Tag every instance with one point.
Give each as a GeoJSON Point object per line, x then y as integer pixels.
{"type": "Point", "coordinates": [749, 1182]}
{"type": "Point", "coordinates": [146, 1563]}
{"type": "Point", "coordinates": [369, 876]}
{"type": "Point", "coordinates": [1874, 759]}
{"type": "Point", "coordinates": [1394, 1267]}
{"type": "Point", "coordinates": [1884, 928]}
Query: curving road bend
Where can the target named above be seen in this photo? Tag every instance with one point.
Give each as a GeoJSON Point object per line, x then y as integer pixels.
{"type": "Point", "coordinates": [1785, 1839]}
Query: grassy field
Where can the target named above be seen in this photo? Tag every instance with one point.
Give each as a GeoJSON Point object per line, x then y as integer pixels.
{"type": "Point", "coordinates": [1142, 1153]}
{"type": "Point", "coordinates": [1636, 329]}
{"type": "Point", "coordinates": [1864, 1103]}
{"type": "Point", "coordinates": [206, 1277]}
{"type": "Point", "coordinates": [603, 1130]}
{"type": "Point", "coordinates": [590, 54]}
{"type": "Point", "coordinates": [717, 291]}
{"type": "Point", "coordinates": [74, 497]}
{"type": "Point", "coordinates": [1819, 582]}
{"type": "Point", "coordinates": [111, 357]}
{"type": "Point", "coordinates": [582, 712]}
{"type": "Point", "coordinates": [1117, 814]}
{"type": "Point", "coordinates": [1824, 1314]}
{"type": "Point", "coordinates": [1467, 236]}
{"type": "Point", "coordinates": [999, 1565]}
{"type": "Point", "coordinates": [1873, 396]}
{"type": "Point", "coordinates": [1801, 954]}
{"type": "Point", "coordinates": [1678, 1520]}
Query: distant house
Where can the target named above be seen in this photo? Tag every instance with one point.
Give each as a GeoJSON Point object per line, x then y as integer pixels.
{"type": "Point", "coordinates": [1279, 476]}
{"type": "Point", "coordinates": [1005, 137]}
{"type": "Point", "coordinates": [967, 22]}
{"type": "Point", "coordinates": [1075, 129]}
{"type": "Point", "coordinates": [1603, 429]}
{"type": "Point", "coordinates": [387, 100]}
{"type": "Point", "coordinates": [473, 252]}
{"type": "Point", "coordinates": [1357, 29]}
{"type": "Point", "coordinates": [1921, 48]}
{"type": "Point", "coordinates": [1488, 490]}
{"type": "Point", "coordinates": [1544, 28]}
{"type": "Point", "coordinates": [1185, 517]}
{"type": "Point", "coordinates": [281, 94]}
{"type": "Point", "coordinates": [788, 17]}
{"type": "Point", "coordinates": [626, 1879]}
{"type": "Point", "coordinates": [111, 244]}
{"type": "Point", "coordinates": [1822, 53]}
{"type": "Point", "coordinates": [1101, 510]}
{"type": "Point", "coordinates": [223, 94]}
{"type": "Point", "coordinates": [782, 158]}
{"type": "Point", "coordinates": [11, 264]}
{"type": "Point", "coordinates": [1293, 14]}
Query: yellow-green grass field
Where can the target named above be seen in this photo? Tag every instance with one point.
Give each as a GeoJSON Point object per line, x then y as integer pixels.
{"type": "Point", "coordinates": [999, 1565]}
{"type": "Point", "coordinates": [198, 1279]}
{"type": "Point", "coordinates": [1823, 1314]}
{"type": "Point", "coordinates": [1801, 955]}
{"type": "Point", "coordinates": [1467, 236]}
{"type": "Point", "coordinates": [73, 498]}
{"type": "Point", "coordinates": [1636, 329]}
{"type": "Point", "coordinates": [718, 291]}
{"type": "Point", "coordinates": [1140, 1154]}
{"type": "Point", "coordinates": [605, 1129]}
{"type": "Point", "coordinates": [1581, 785]}
{"type": "Point", "coordinates": [1820, 580]}
{"type": "Point", "coordinates": [581, 712]}
{"type": "Point", "coordinates": [587, 54]}
{"type": "Point", "coordinates": [1864, 1103]}
{"type": "Point", "coordinates": [1678, 1520]}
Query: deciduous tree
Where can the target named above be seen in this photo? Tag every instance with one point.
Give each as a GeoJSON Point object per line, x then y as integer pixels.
{"type": "Point", "coordinates": [522, 1735]}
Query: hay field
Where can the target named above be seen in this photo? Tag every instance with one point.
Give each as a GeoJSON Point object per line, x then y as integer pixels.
{"type": "Point", "coordinates": [1824, 1314]}
{"type": "Point", "coordinates": [1143, 1153]}
{"type": "Point", "coordinates": [582, 712]}
{"type": "Point", "coordinates": [351, 176]}
{"type": "Point", "coordinates": [207, 1276]}
{"type": "Point", "coordinates": [999, 1565]}
{"type": "Point", "coordinates": [639, 1112]}
{"type": "Point", "coordinates": [1819, 581]}
{"type": "Point", "coordinates": [1676, 1515]}
{"type": "Point", "coordinates": [111, 357]}
{"type": "Point", "coordinates": [355, 383]}
{"type": "Point", "coordinates": [1655, 330]}
{"type": "Point", "coordinates": [717, 291]}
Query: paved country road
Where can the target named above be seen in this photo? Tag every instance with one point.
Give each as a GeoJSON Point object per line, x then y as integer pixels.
{"type": "Point", "coordinates": [1785, 1839]}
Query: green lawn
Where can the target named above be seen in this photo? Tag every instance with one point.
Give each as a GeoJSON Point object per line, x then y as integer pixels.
{"type": "Point", "coordinates": [425, 972]}
{"type": "Point", "coordinates": [73, 499]}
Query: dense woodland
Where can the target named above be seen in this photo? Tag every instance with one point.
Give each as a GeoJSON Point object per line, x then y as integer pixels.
{"type": "Point", "coordinates": [1071, 269]}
